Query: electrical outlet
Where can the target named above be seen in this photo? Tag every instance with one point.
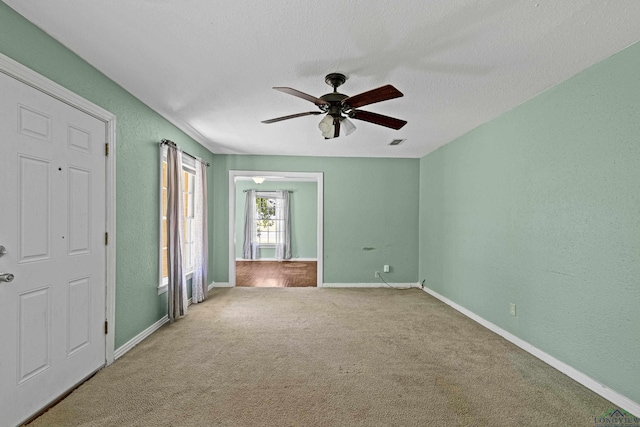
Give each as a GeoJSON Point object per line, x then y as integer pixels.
{"type": "Point", "coordinates": [512, 309]}
{"type": "Point", "coordinates": [377, 274]}
{"type": "Point", "coordinates": [386, 268]}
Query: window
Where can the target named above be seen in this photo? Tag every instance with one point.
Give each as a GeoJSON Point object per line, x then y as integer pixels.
{"type": "Point", "coordinates": [189, 219]}
{"type": "Point", "coordinates": [268, 223]}
{"type": "Point", "coordinates": [188, 178]}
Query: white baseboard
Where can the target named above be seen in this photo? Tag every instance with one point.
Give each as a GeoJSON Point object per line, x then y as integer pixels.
{"type": "Point", "coordinates": [219, 285]}
{"type": "Point", "coordinates": [139, 338]}
{"type": "Point", "coordinates": [369, 285]}
{"type": "Point", "coordinates": [593, 385]}
{"type": "Point", "coordinates": [273, 259]}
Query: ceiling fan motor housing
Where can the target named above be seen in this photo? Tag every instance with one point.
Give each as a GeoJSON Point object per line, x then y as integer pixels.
{"type": "Point", "coordinates": [335, 79]}
{"type": "Point", "coordinates": [335, 106]}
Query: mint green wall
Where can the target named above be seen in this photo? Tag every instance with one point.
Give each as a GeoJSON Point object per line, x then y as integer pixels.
{"type": "Point", "coordinates": [367, 203]}
{"type": "Point", "coordinates": [303, 212]}
{"type": "Point", "coordinates": [139, 129]}
{"type": "Point", "coordinates": [541, 207]}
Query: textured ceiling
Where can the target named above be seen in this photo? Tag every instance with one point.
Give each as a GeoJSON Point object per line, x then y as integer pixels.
{"type": "Point", "coordinates": [208, 66]}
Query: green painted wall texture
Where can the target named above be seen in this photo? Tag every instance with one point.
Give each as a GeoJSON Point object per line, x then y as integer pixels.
{"type": "Point", "coordinates": [303, 212]}
{"type": "Point", "coordinates": [541, 208]}
{"type": "Point", "coordinates": [139, 129]}
{"type": "Point", "coordinates": [367, 203]}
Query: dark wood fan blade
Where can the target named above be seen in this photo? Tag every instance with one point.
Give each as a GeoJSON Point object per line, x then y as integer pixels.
{"type": "Point", "coordinates": [302, 95]}
{"type": "Point", "coordinates": [378, 119]}
{"type": "Point", "coordinates": [370, 97]}
{"type": "Point", "coordinates": [336, 125]}
{"type": "Point", "coordinates": [292, 116]}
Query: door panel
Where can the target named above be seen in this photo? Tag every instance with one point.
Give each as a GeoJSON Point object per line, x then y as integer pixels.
{"type": "Point", "coordinates": [52, 223]}
{"type": "Point", "coordinates": [34, 215]}
{"type": "Point", "coordinates": [79, 140]}
{"type": "Point", "coordinates": [79, 211]}
{"type": "Point", "coordinates": [34, 123]}
{"type": "Point", "coordinates": [34, 339]}
{"type": "Point", "coordinates": [79, 316]}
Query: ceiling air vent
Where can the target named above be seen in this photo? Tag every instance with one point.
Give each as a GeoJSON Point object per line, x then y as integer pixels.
{"type": "Point", "coordinates": [396, 142]}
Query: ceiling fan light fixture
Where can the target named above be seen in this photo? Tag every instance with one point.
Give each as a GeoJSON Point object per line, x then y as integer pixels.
{"type": "Point", "coordinates": [347, 126]}
{"type": "Point", "coordinates": [326, 125]}
{"type": "Point", "coordinates": [328, 135]}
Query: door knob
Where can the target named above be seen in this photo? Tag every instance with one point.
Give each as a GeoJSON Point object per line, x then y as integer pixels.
{"type": "Point", "coordinates": [6, 277]}
{"type": "Point", "coordinates": [3, 250]}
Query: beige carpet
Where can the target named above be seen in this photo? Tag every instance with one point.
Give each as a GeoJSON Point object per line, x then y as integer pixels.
{"type": "Point", "coordinates": [326, 357]}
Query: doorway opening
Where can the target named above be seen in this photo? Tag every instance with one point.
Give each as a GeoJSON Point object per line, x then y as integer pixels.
{"type": "Point", "coordinates": [260, 267]}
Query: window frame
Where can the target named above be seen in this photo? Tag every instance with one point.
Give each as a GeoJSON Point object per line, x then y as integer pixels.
{"type": "Point", "coordinates": [189, 169]}
{"type": "Point", "coordinates": [278, 221]}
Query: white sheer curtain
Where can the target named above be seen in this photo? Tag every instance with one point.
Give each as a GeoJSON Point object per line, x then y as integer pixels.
{"type": "Point", "coordinates": [199, 285]}
{"type": "Point", "coordinates": [283, 236]}
{"type": "Point", "coordinates": [250, 245]}
{"type": "Point", "coordinates": [175, 218]}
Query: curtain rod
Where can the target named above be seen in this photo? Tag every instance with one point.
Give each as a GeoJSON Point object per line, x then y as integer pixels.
{"type": "Point", "coordinates": [267, 191]}
{"type": "Point", "coordinates": [168, 142]}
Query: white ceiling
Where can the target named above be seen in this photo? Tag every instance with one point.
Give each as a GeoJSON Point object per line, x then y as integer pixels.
{"type": "Point", "coordinates": [208, 66]}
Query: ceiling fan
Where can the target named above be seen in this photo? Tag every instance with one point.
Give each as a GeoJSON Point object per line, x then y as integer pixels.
{"type": "Point", "coordinates": [339, 108]}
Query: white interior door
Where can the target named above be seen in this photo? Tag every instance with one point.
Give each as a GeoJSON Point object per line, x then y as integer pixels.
{"type": "Point", "coordinates": [52, 226]}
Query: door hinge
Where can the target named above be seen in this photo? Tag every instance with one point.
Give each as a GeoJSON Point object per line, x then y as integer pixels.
{"type": "Point", "coordinates": [106, 149]}
{"type": "Point", "coordinates": [106, 327]}
{"type": "Point", "coordinates": [106, 238]}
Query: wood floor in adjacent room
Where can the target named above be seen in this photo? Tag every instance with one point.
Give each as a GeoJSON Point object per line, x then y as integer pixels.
{"type": "Point", "coordinates": [276, 274]}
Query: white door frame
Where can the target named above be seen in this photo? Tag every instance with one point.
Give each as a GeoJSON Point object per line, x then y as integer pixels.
{"type": "Point", "coordinates": [29, 77]}
{"type": "Point", "coordinates": [317, 177]}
